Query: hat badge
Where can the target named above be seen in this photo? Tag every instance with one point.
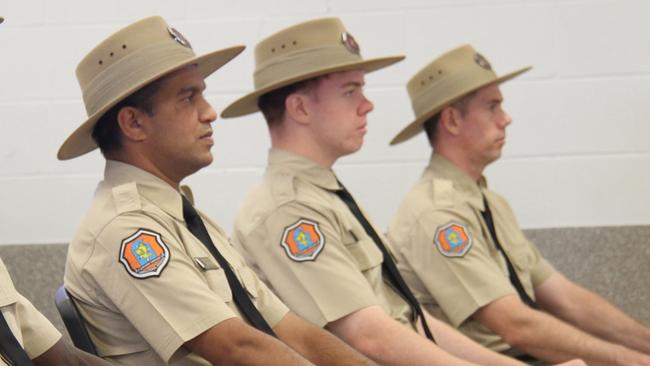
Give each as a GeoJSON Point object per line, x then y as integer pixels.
{"type": "Point", "coordinates": [482, 61]}
{"type": "Point", "coordinates": [350, 43]}
{"type": "Point", "coordinates": [178, 37]}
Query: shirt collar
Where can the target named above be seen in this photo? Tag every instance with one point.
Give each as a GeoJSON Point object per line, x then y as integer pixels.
{"type": "Point", "coordinates": [441, 168]}
{"type": "Point", "coordinates": [152, 188]}
{"type": "Point", "coordinates": [302, 168]}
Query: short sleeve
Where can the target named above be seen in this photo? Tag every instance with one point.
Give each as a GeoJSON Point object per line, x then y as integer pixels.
{"type": "Point", "coordinates": [460, 284]}
{"type": "Point", "coordinates": [542, 269]}
{"type": "Point", "coordinates": [168, 307]}
{"type": "Point", "coordinates": [39, 335]}
{"type": "Point", "coordinates": [300, 252]}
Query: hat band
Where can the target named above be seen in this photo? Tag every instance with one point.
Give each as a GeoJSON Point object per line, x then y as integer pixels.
{"type": "Point", "coordinates": [301, 63]}
{"type": "Point", "coordinates": [450, 88]}
{"type": "Point", "coordinates": [131, 70]}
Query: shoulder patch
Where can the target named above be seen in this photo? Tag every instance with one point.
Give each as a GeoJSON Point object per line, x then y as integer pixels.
{"type": "Point", "coordinates": [453, 239]}
{"type": "Point", "coordinates": [144, 254]}
{"type": "Point", "coordinates": [303, 240]}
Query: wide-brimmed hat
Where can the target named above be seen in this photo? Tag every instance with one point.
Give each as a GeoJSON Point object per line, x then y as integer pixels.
{"type": "Point", "coordinates": [301, 52]}
{"type": "Point", "coordinates": [445, 80]}
{"type": "Point", "coordinates": [127, 61]}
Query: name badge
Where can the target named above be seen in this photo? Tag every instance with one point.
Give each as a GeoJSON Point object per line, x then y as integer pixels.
{"type": "Point", "coordinates": [206, 263]}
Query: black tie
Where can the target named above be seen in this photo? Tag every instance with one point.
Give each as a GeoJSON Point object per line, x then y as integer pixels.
{"type": "Point", "coordinates": [514, 279]}
{"type": "Point", "coordinates": [11, 349]}
{"type": "Point", "coordinates": [244, 304]}
{"type": "Point", "coordinates": [388, 266]}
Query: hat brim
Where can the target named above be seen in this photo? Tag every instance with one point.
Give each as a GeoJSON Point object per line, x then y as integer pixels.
{"type": "Point", "coordinates": [81, 142]}
{"type": "Point", "coordinates": [415, 127]}
{"type": "Point", "coordinates": [248, 103]}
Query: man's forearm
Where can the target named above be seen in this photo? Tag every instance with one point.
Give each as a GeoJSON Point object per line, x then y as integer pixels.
{"type": "Point", "coordinates": [605, 321]}
{"type": "Point", "coordinates": [549, 339]}
{"type": "Point", "coordinates": [232, 342]}
{"type": "Point", "coordinates": [63, 353]}
{"type": "Point", "coordinates": [317, 345]}
{"type": "Point", "coordinates": [372, 332]}
{"type": "Point", "coordinates": [458, 344]}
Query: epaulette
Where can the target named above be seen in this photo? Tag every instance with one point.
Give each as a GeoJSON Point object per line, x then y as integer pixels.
{"type": "Point", "coordinates": [282, 187]}
{"type": "Point", "coordinates": [126, 197]}
{"type": "Point", "coordinates": [443, 192]}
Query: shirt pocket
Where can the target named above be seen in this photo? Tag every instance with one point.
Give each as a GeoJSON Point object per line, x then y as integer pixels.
{"type": "Point", "coordinates": [521, 256]}
{"type": "Point", "coordinates": [215, 277]}
{"type": "Point", "coordinates": [365, 253]}
{"type": "Point", "coordinates": [249, 281]}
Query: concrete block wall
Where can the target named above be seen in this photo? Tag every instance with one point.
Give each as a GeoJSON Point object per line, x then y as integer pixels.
{"type": "Point", "coordinates": [578, 152]}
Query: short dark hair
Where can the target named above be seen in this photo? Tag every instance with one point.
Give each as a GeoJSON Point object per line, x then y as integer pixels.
{"type": "Point", "coordinates": [272, 103]}
{"type": "Point", "coordinates": [106, 131]}
{"type": "Point", "coordinates": [431, 124]}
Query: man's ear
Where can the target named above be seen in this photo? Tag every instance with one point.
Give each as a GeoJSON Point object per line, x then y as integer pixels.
{"type": "Point", "coordinates": [450, 120]}
{"type": "Point", "coordinates": [130, 120]}
{"type": "Point", "coordinates": [296, 107]}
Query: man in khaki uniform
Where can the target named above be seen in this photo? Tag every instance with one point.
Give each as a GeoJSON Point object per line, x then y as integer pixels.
{"type": "Point", "coordinates": [298, 229]}
{"type": "Point", "coordinates": [157, 282]}
{"type": "Point", "coordinates": [27, 337]}
{"type": "Point", "coordinates": [35, 335]}
{"type": "Point", "coordinates": [460, 247]}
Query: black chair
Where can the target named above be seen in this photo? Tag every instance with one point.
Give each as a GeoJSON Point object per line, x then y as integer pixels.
{"type": "Point", "coordinates": [73, 321]}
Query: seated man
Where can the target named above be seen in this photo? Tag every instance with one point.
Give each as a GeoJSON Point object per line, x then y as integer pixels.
{"type": "Point", "coordinates": [26, 335]}
{"type": "Point", "coordinates": [158, 282]}
{"type": "Point", "coordinates": [302, 230]}
{"type": "Point", "coordinates": [459, 245]}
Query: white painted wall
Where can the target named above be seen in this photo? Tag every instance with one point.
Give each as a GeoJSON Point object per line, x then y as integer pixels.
{"type": "Point", "coordinates": [578, 153]}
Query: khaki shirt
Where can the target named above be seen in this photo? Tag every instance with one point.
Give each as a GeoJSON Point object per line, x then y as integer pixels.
{"type": "Point", "coordinates": [32, 330]}
{"type": "Point", "coordinates": [144, 284]}
{"type": "Point", "coordinates": [307, 245]}
{"type": "Point", "coordinates": [452, 285]}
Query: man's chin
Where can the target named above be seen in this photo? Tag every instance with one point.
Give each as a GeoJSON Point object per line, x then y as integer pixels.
{"type": "Point", "coordinates": [207, 161]}
{"type": "Point", "coordinates": [491, 159]}
{"type": "Point", "coordinates": [201, 163]}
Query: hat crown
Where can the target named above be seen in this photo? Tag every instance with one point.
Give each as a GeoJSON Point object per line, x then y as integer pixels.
{"type": "Point", "coordinates": [307, 46]}
{"type": "Point", "coordinates": [124, 52]}
{"type": "Point", "coordinates": [459, 61]}
{"type": "Point", "coordinates": [319, 33]}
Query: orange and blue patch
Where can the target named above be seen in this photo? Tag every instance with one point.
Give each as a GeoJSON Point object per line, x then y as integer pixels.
{"type": "Point", "coordinates": [303, 240]}
{"type": "Point", "coordinates": [144, 254]}
{"type": "Point", "coordinates": [453, 240]}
